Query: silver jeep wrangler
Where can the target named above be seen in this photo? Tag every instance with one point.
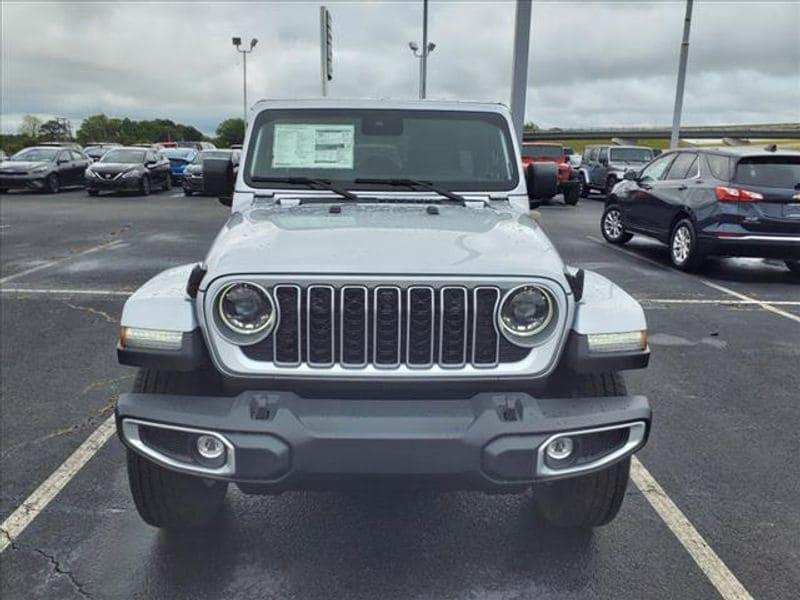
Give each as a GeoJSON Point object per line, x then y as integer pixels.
{"type": "Point", "coordinates": [380, 307]}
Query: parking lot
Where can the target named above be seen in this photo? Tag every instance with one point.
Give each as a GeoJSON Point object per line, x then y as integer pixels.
{"type": "Point", "coordinates": [723, 382]}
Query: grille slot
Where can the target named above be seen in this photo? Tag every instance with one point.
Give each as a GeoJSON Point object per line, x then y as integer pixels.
{"type": "Point", "coordinates": [387, 322]}
{"type": "Point", "coordinates": [385, 326]}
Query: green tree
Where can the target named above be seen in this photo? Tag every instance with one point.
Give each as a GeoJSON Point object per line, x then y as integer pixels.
{"type": "Point", "coordinates": [230, 131]}
{"type": "Point", "coordinates": [54, 130]}
{"type": "Point", "coordinates": [30, 126]}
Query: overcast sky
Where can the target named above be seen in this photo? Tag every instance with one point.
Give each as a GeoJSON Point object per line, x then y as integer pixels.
{"type": "Point", "coordinates": [592, 63]}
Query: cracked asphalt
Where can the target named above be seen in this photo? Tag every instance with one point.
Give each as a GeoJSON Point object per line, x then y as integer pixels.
{"type": "Point", "coordinates": [723, 383]}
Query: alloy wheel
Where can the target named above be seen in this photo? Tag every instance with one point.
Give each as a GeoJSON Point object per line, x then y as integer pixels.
{"type": "Point", "coordinates": [612, 224]}
{"type": "Point", "coordinates": [681, 244]}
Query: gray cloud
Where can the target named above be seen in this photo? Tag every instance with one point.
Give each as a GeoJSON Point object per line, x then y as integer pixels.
{"type": "Point", "coordinates": [592, 63]}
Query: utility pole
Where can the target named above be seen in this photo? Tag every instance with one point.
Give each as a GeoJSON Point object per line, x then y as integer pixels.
{"type": "Point", "coordinates": [325, 48]}
{"type": "Point", "coordinates": [676, 115]}
{"type": "Point", "coordinates": [237, 41]}
{"type": "Point", "coordinates": [427, 48]}
{"type": "Point", "coordinates": [519, 73]}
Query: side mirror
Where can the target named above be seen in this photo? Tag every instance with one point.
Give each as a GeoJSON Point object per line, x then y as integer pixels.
{"type": "Point", "coordinates": [631, 175]}
{"type": "Point", "coordinates": [218, 179]}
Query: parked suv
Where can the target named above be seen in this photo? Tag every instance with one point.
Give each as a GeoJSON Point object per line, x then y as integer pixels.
{"type": "Point", "coordinates": [722, 201]}
{"type": "Point", "coordinates": [380, 305]}
{"type": "Point", "coordinates": [602, 167]}
{"type": "Point", "coordinates": [568, 184]}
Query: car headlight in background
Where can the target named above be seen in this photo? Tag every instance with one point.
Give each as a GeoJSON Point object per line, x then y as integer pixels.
{"type": "Point", "coordinates": [525, 312]}
{"type": "Point", "coordinates": [626, 341]}
{"type": "Point", "coordinates": [246, 309]}
{"type": "Point", "coordinates": [150, 339]}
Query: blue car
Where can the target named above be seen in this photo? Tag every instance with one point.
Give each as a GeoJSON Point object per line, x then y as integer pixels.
{"type": "Point", "coordinates": [179, 159]}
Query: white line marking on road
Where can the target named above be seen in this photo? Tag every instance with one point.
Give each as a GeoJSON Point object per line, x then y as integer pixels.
{"type": "Point", "coordinates": [629, 253]}
{"type": "Point", "coordinates": [64, 292]}
{"type": "Point", "coordinates": [726, 583]}
{"type": "Point", "coordinates": [59, 260]}
{"type": "Point", "coordinates": [17, 521]}
{"type": "Point", "coordinates": [718, 301]}
{"type": "Point", "coordinates": [765, 305]}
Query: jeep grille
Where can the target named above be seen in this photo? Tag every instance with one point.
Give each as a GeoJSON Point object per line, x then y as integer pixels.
{"type": "Point", "coordinates": [385, 326]}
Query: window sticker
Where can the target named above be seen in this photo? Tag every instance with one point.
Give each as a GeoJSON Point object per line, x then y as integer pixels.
{"type": "Point", "coordinates": [313, 146]}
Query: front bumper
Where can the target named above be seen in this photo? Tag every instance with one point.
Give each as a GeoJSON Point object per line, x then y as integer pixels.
{"type": "Point", "coordinates": [26, 182]}
{"type": "Point", "coordinates": [118, 185]}
{"type": "Point", "coordinates": [193, 184]}
{"type": "Point", "coordinates": [281, 441]}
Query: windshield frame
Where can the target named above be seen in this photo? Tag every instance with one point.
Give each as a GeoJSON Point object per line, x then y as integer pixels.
{"type": "Point", "coordinates": [54, 150]}
{"type": "Point", "coordinates": [112, 150]}
{"type": "Point", "coordinates": [273, 114]}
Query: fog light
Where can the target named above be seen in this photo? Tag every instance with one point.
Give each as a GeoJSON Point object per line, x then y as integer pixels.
{"type": "Point", "coordinates": [560, 449]}
{"type": "Point", "coordinates": [210, 447]}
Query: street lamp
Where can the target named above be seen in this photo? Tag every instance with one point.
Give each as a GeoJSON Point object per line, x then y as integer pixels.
{"type": "Point", "coordinates": [237, 41]}
{"type": "Point", "coordinates": [427, 48]}
{"type": "Point", "coordinates": [423, 59]}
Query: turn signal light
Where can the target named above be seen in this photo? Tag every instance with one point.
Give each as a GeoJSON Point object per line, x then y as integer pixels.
{"type": "Point", "coordinates": [729, 194]}
{"type": "Point", "coordinates": [150, 339]}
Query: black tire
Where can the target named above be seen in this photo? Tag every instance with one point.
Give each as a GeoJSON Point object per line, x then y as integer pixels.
{"type": "Point", "coordinates": [572, 195]}
{"type": "Point", "coordinates": [683, 246]}
{"type": "Point", "coordinates": [793, 266]}
{"type": "Point", "coordinates": [93, 192]}
{"type": "Point", "coordinates": [610, 183]}
{"type": "Point", "coordinates": [611, 226]}
{"type": "Point", "coordinates": [165, 498]}
{"type": "Point", "coordinates": [589, 500]}
{"type": "Point", "coordinates": [167, 183]}
{"type": "Point", "coordinates": [144, 186]}
{"type": "Point", "coordinates": [187, 192]}
{"type": "Point", "coordinates": [534, 204]}
{"type": "Point", "coordinates": [52, 184]}
{"type": "Point", "coordinates": [585, 189]}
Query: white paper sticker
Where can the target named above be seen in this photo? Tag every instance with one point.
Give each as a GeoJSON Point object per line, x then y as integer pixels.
{"type": "Point", "coordinates": [313, 146]}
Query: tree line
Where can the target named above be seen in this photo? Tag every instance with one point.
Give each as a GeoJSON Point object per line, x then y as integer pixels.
{"type": "Point", "coordinates": [101, 128]}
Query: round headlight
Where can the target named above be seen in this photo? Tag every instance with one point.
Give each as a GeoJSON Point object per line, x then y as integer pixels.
{"type": "Point", "coordinates": [246, 308]}
{"type": "Point", "coordinates": [526, 311]}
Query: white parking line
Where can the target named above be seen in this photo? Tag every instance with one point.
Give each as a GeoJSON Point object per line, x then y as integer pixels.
{"type": "Point", "coordinates": [52, 263]}
{"type": "Point", "coordinates": [17, 521]}
{"type": "Point", "coordinates": [726, 583]}
{"type": "Point", "coordinates": [723, 301]}
{"type": "Point", "coordinates": [629, 253]}
{"type": "Point", "coordinates": [64, 292]}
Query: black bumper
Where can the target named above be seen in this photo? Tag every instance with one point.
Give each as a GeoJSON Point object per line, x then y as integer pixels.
{"type": "Point", "coordinates": [123, 184]}
{"type": "Point", "coordinates": [281, 441]}
{"type": "Point", "coordinates": [22, 182]}
{"type": "Point", "coordinates": [193, 184]}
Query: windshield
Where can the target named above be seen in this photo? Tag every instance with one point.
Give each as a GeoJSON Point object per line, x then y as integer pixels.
{"type": "Point", "coordinates": [36, 154]}
{"type": "Point", "coordinates": [452, 149]}
{"type": "Point", "coordinates": [631, 154]}
{"type": "Point", "coordinates": [123, 156]}
{"type": "Point", "coordinates": [542, 151]}
{"type": "Point", "coordinates": [770, 171]}
{"type": "Point", "coordinates": [198, 160]}
{"type": "Point", "coordinates": [181, 153]}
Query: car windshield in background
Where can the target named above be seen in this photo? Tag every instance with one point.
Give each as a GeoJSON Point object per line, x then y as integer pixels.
{"type": "Point", "coordinates": [180, 153]}
{"type": "Point", "coordinates": [631, 155]}
{"type": "Point", "coordinates": [123, 156]}
{"type": "Point", "coordinates": [210, 154]}
{"type": "Point", "coordinates": [541, 152]}
{"type": "Point", "coordinates": [770, 171]}
{"type": "Point", "coordinates": [456, 150]}
{"type": "Point", "coordinates": [35, 154]}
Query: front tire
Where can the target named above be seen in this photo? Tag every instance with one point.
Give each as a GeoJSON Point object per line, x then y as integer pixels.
{"type": "Point", "coordinates": [683, 250]}
{"type": "Point", "coordinates": [611, 226]}
{"type": "Point", "coordinates": [52, 184]}
{"type": "Point", "coordinates": [585, 189]}
{"type": "Point", "coordinates": [187, 192]}
{"type": "Point", "coordinates": [572, 195]}
{"type": "Point", "coordinates": [588, 500]}
{"type": "Point", "coordinates": [165, 498]}
{"type": "Point", "coordinates": [610, 183]}
{"type": "Point", "coordinates": [167, 183]}
{"type": "Point", "coordinates": [144, 187]}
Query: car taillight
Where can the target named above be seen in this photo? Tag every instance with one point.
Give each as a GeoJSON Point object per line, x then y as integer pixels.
{"type": "Point", "coordinates": [729, 194]}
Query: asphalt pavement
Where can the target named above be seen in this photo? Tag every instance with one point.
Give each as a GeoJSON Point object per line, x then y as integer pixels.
{"type": "Point", "coordinates": [723, 382]}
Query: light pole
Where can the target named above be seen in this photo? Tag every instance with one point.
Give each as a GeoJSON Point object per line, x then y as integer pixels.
{"type": "Point", "coordinates": [237, 41]}
{"type": "Point", "coordinates": [427, 48]}
{"type": "Point", "coordinates": [674, 138]}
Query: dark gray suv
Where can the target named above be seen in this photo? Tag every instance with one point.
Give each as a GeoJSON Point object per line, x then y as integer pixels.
{"type": "Point", "coordinates": [603, 167]}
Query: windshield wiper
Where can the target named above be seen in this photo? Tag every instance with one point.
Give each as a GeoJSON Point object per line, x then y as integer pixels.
{"type": "Point", "coordinates": [415, 183]}
{"type": "Point", "coordinates": [319, 184]}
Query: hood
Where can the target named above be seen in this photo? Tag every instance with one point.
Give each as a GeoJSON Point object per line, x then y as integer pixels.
{"type": "Point", "coordinates": [22, 165]}
{"type": "Point", "coordinates": [382, 239]}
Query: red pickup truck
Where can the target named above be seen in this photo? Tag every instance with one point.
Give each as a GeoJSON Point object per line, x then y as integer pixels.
{"type": "Point", "coordinates": [568, 183]}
